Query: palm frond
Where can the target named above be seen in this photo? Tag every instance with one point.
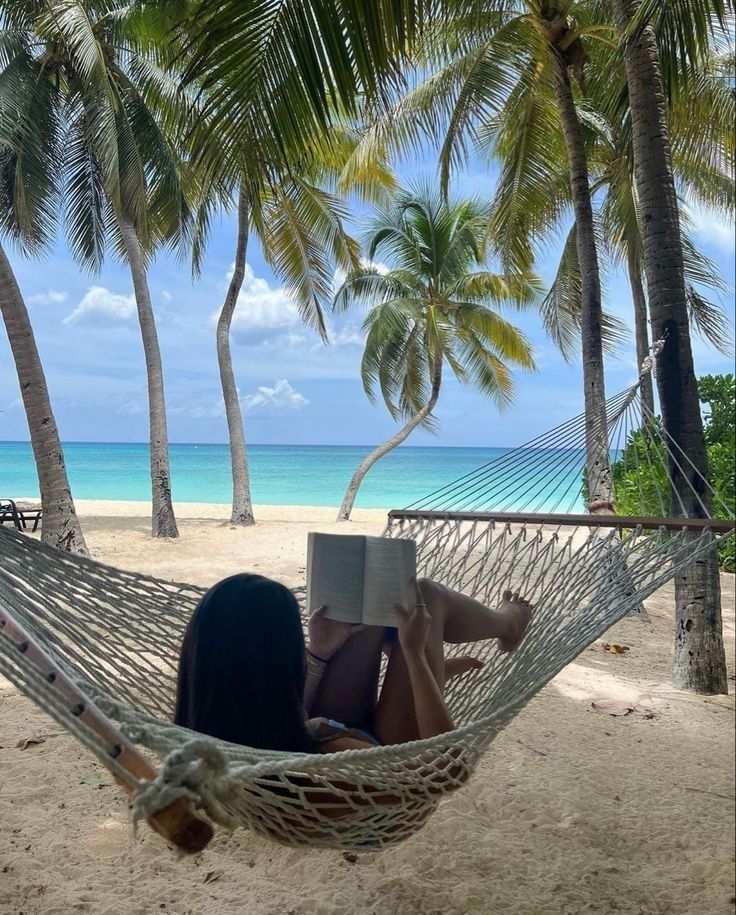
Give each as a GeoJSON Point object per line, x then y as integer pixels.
{"type": "Point", "coordinates": [86, 210]}
{"type": "Point", "coordinates": [30, 153]}
{"type": "Point", "coordinates": [561, 306]}
{"type": "Point", "coordinates": [710, 321]}
{"type": "Point", "coordinates": [304, 240]}
{"type": "Point", "coordinates": [686, 31]}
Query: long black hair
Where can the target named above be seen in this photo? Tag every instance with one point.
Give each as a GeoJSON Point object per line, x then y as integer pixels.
{"type": "Point", "coordinates": [242, 666]}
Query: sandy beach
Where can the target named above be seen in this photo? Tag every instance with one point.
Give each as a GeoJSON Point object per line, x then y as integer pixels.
{"type": "Point", "coordinates": [572, 810]}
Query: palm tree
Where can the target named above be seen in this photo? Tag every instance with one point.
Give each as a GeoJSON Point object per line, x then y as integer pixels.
{"type": "Point", "coordinates": [121, 174]}
{"type": "Point", "coordinates": [242, 507]}
{"type": "Point", "coordinates": [700, 663]}
{"type": "Point", "coordinates": [501, 78]}
{"type": "Point", "coordinates": [29, 155]}
{"type": "Point", "coordinates": [701, 169]}
{"type": "Point", "coordinates": [702, 114]}
{"type": "Point", "coordinates": [430, 309]}
{"type": "Point", "coordinates": [293, 210]}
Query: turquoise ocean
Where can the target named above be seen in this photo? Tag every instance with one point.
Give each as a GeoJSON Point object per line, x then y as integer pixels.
{"type": "Point", "coordinates": [280, 474]}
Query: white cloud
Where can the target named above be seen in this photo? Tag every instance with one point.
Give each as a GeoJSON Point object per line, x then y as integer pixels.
{"type": "Point", "coordinates": [348, 335]}
{"type": "Point", "coordinates": [131, 408]}
{"type": "Point", "coordinates": [304, 343]}
{"type": "Point", "coordinates": [712, 228]}
{"type": "Point", "coordinates": [261, 309]}
{"type": "Point", "coordinates": [200, 410]}
{"type": "Point", "coordinates": [166, 296]}
{"type": "Point", "coordinates": [98, 303]}
{"type": "Point", "coordinates": [288, 340]}
{"type": "Point", "coordinates": [280, 398]}
{"type": "Point", "coordinates": [50, 297]}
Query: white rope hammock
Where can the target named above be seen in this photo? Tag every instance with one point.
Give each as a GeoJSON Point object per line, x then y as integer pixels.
{"type": "Point", "coordinates": [97, 648]}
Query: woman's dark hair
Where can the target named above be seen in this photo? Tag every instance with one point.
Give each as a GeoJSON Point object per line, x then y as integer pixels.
{"type": "Point", "coordinates": [242, 666]}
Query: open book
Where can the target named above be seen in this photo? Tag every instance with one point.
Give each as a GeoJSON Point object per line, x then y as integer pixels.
{"type": "Point", "coordinates": [360, 579]}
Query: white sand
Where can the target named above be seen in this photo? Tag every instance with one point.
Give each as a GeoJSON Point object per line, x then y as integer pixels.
{"type": "Point", "coordinates": [573, 811]}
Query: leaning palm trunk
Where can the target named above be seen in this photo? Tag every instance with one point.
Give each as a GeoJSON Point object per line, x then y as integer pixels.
{"type": "Point", "coordinates": [641, 331]}
{"type": "Point", "coordinates": [242, 511]}
{"type": "Point", "coordinates": [598, 464]}
{"type": "Point", "coordinates": [391, 443]}
{"type": "Point", "coordinates": [61, 526]}
{"type": "Point", "coordinates": [700, 663]}
{"type": "Point", "coordinates": [163, 522]}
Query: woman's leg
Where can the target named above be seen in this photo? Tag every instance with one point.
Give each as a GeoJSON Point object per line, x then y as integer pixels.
{"type": "Point", "coordinates": [458, 619]}
{"type": "Point", "coordinates": [349, 686]}
{"type": "Point", "coordinates": [467, 620]}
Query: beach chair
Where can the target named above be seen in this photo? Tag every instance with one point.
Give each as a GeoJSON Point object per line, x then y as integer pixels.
{"type": "Point", "coordinates": [21, 514]}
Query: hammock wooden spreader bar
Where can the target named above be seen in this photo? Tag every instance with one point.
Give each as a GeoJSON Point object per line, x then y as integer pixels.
{"type": "Point", "coordinates": [629, 522]}
{"type": "Point", "coordinates": [176, 823]}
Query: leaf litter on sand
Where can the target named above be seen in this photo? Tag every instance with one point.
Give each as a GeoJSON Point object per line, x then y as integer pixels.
{"type": "Point", "coordinates": [26, 742]}
{"type": "Point", "coordinates": [614, 648]}
{"type": "Point", "coordinates": [619, 709]}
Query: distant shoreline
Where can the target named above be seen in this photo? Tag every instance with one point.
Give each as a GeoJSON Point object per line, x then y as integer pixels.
{"type": "Point", "coordinates": [220, 511]}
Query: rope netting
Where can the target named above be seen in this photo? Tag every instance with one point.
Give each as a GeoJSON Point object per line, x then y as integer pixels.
{"type": "Point", "coordinates": [547, 474]}
{"type": "Point", "coordinates": [117, 635]}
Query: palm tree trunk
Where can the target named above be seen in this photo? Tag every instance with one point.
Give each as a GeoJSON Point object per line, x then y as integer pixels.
{"type": "Point", "coordinates": [641, 330]}
{"type": "Point", "coordinates": [163, 522]}
{"type": "Point", "coordinates": [600, 488]}
{"type": "Point", "coordinates": [700, 663]}
{"type": "Point", "coordinates": [60, 524]}
{"type": "Point", "coordinates": [391, 443]}
{"type": "Point", "coordinates": [242, 511]}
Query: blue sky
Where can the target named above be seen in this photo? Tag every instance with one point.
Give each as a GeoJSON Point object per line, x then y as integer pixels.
{"type": "Point", "coordinates": [293, 389]}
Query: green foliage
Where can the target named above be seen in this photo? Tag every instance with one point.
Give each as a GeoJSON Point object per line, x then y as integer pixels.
{"type": "Point", "coordinates": [640, 474]}
{"type": "Point", "coordinates": [89, 129]}
{"type": "Point", "coordinates": [435, 303]}
{"type": "Point", "coordinates": [718, 393]}
{"type": "Point", "coordinates": [640, 478]}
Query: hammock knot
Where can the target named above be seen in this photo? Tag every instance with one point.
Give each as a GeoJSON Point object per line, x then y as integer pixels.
{"type": "Point", "coordinates": [649, 363]}
{"type": "Point", "coordinates": [198, 772]}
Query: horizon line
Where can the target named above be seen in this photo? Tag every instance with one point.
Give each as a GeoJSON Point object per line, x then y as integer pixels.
{"type": "Point", "coordinates": [25, 441]}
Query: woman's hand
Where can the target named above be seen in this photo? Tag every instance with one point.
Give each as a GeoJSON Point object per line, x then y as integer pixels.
{"type": "Point", "coordinates": [413, 623]}
{"type": "Point", "coordinates": [326, 637]}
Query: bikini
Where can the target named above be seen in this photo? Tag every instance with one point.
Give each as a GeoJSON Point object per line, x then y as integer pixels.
{"type": "Point", "coordinates": [325, 731]}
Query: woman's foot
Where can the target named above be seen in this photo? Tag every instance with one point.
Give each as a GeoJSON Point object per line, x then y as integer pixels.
{"type": "Point", "coordinates": [456, 666]}
{"type": "Point", "coordinates": [518, 612]}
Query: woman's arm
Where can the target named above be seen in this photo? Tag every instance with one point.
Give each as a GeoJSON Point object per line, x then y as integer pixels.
{"type": "Point", "coordinates": [326, 637]}
{"type": "Point", "coordinates": [431, 712]}
{"type": "Point", "coordinates": [315, 671]}
{"type": "Point", "coordinates": [429, 704]}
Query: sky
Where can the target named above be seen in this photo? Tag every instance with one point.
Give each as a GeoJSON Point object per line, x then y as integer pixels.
{"type": "Point", "coordinates": [293, 388]}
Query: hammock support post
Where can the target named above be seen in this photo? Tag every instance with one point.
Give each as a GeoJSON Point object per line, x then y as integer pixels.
{"type": "Point", "coordinates": [176, 823]}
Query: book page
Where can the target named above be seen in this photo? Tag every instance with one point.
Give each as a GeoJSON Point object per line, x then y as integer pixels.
{"type": "Point", "coordinates": [335, 565]}
{"type": "Point", "coordinates": [390, 564]}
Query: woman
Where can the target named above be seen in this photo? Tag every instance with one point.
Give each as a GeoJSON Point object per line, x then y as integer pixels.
{"type": "Point", "coordinates": [246, 676]}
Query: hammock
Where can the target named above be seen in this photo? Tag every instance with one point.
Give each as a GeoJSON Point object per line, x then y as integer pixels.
{"type": "Point", "coordinates": [97, 648]}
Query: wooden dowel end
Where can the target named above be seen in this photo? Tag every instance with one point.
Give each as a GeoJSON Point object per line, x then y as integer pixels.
{"type": "Point", "coordinates": [177, 823]}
